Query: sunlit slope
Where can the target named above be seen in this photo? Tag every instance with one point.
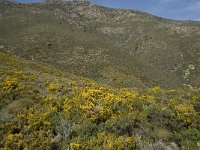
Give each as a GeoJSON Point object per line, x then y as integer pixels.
{"type": "Point", "coordinates": [44, 108]}
{"type": "Point", "coordinates": [120, 48]}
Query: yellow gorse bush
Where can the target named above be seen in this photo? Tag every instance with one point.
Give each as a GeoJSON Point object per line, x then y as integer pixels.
{"type": "Point", "coordinates": [53, 87]}
{"type": "Point", "coordinates": [12, 84]}
{"type": "Point", "coordinates": [13, 140]}
{"type": "Point", "coordinates": [97, 104]}
{"type": "Point", "coordinates": [107, 141]}
{"type": "Point", "coordinates": [37, 107]}
{"type": "Point", "coordinates": [74, 146]}
{"type": "Point", "coordinates": [185, 112]}
{"type": "Point", "coordinates": [147, 98]}
{"type": "Point", "coordinates": [156, 89]}
{"type": "Point", "coordinates": [34, 118]}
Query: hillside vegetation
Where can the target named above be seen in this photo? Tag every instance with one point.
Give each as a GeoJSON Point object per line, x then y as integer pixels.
{"type": "Point", "coordinates": [121, 48]}
{"type": "Point", "coordinates": [77, 76]}
{"type": "Point", "coordinates": [45, 108]}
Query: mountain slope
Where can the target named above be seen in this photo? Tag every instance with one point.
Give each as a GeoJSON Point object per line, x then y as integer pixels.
{"type": "Point", "coordinates": [45, 108]}
{"type": "Point", "coordinates": [121, 48]}
{"type": "Point", "coordinates": [76, 76]}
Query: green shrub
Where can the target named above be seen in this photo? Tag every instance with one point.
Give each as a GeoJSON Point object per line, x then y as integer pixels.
{"type": "Point", "coordinates": [19, 105]}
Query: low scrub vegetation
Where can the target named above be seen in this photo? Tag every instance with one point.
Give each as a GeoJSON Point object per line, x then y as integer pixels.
{"type": "Point", "coordinates": [43, 108]}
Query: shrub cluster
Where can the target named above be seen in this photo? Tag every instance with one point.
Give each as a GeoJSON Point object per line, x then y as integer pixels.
{"type": "Point", "coordinates": [39, 112]}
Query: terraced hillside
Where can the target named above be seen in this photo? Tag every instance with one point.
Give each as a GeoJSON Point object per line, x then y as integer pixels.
{"type": "Point", "coordinates": [120, 48]}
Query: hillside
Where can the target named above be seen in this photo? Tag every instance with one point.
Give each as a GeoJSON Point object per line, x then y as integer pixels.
{"type": "Point", "coordinates": [45, 108]}
{"type": "Point", "coordinates": [121, 48]}
{"type": "Point", "coordinates": [77, 76]}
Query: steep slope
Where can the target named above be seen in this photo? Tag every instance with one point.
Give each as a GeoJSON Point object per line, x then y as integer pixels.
{"type": "Point", "coordinates": [47, 50]}
{"type": "Point", "coordinates": [45, 108]}
{"type": "Point", "coordinates": [171, 46]}
{"type": "Point", "coordinates": [44, 38]}
{"type": "Point", "coordinates": [120, 48]}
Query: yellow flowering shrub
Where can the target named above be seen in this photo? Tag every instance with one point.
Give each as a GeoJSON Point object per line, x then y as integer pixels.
{"type": "Point", "coordinates": [43, 108]}
{"type": "Point", "coordinates": [156, 89]}
{"type": "Point", "coordinates": [147, 98]}
{"type": "Point", "coordinates": [67, 106]}
{"type": "Point", "coordinates": [13, 141]}
{"type": "Point", "coordinates": [10, 84]}
{"type": "Point", "coordinates": [34, 118]}
{"type": "Point", "coordinates": [185, 112]}
{"type": "Point", "coordinates": [109, 141]}
{"type": "Point", "coordinates": [53, 87]}
{"type": "Point", "coordinates": [97, 104]}
{"type": "Point", "coordinates": [127, 96]}
{"type": "Point", "coordinates": [33, 125]}
{"type": "Point", "coordinates": [74, 146]}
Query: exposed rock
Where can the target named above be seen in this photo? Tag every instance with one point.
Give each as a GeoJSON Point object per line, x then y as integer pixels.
{"type": "Point", "coordinates": [2, 46]}
{"type": "Point", "coordinates": [56, 139]}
